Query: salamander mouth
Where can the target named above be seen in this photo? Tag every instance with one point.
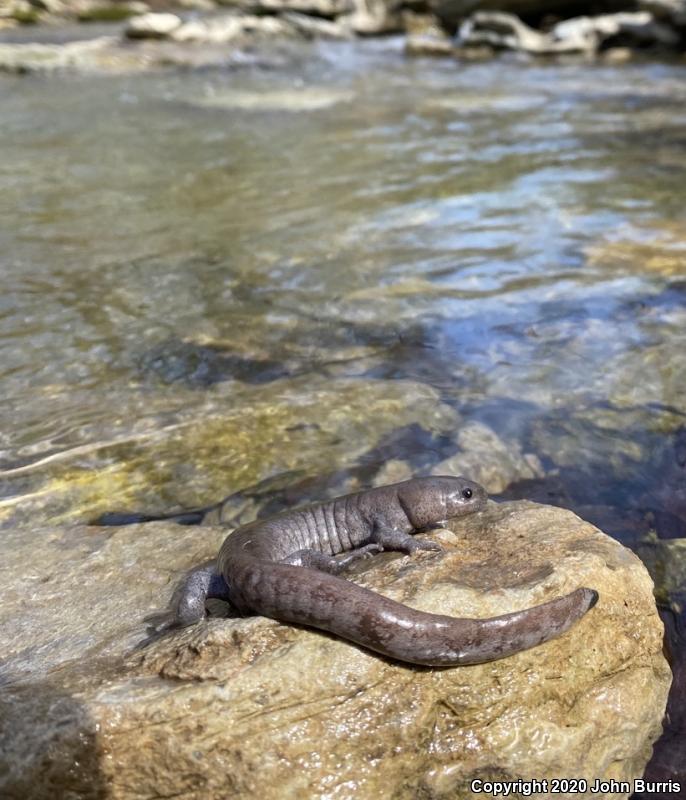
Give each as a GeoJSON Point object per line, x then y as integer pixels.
{"type": "Point", "coordinates": [432, 526]}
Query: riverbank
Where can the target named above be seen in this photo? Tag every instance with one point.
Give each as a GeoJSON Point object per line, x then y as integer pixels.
{"type": "Point", "coordinates": [133, 35]}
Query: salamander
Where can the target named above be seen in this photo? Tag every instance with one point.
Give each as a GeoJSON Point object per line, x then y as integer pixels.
{"type": "Point", "coordinates": [287, 567]}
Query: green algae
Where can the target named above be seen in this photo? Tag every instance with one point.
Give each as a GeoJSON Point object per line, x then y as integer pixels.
{"type": "Point", "coordinates": [666, 562]}
{"type": "Point", "coordinates": [201, 460]}
{"type": "Point", "coordinates": [107, 12]}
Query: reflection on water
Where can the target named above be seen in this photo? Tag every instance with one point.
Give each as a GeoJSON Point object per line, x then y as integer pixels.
{"type": "Point", "coordinates": [214, 279]}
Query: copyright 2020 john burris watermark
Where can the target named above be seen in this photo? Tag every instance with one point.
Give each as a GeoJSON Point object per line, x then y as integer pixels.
{"type": "Point", "coordinates": [567, 786]}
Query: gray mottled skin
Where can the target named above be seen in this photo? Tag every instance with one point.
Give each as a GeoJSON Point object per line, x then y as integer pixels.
{"type": "Point", "coordinates": [286, 567]}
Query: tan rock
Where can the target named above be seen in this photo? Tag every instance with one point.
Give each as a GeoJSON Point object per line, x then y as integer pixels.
{"type": "Point", "coordinates": [420, 44]}
{"type": "Point", "coordinates": [660, 249]}
{"type": "Point", "coordinates": [152, 26]}
{"type": "Point", "coordinates": [19, 11]}
{"type": "Point", "coordinates": [314, 27]}
{"type": "Point", "coordinates": [372, 18]}
{"type": "Point", "coordinates": [393, 471]}
{"type": "Point", "coordinates": [618, 55]}
{"type": "Point", "coordinates": [37, 57]}
{"type": "Point", "coordinates": [238, 708]}
{"type": "Point", "coordinates": [578, 35]}
{"type": "Point", "coordinates": [231, 27]}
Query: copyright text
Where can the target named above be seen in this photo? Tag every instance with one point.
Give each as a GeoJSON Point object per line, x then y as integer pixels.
{"type": "Point", "coordinates": [569, 786]}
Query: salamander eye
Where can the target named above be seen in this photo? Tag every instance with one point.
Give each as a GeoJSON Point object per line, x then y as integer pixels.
{"type": "Point", "coordinates": [467, 493]}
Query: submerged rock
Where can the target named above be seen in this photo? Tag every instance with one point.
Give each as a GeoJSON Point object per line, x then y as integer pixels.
{"type": "Point", "coordinates": [488, 459]}
{"type": "Point", "coordinates": [196, 457]}
{"type": "Point", "coordinates": [253, 707]}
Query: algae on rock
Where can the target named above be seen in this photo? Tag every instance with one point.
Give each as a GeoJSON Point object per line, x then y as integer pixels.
{"type": "Point", "coordinates": [199, 457]}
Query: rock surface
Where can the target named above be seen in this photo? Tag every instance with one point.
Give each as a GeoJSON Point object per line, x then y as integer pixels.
{"type": "Point", "coordinates": [452, 12]}
{"type": "Point", "coordinates": [252, 707]}
{"type": "Point", "coordinates": [318, 8]}
{"type": "Point", "coordinates": [230, 28]}
{"type": "Point", "coordinates": [152, 26]}
{"type": "Point", "coordinates": [577, 35]}
{"type": "Point", "coordinates": [47, 57]}
{"type": "Point", "coordinates": [672, 11]}
{"type": "Point", "coordinates": [373, 18]}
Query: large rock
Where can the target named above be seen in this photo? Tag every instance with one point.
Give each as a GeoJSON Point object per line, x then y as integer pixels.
{"type": "Point", "coordinates": [373, 18]}
{"type": "Point", "coordinates": [671, 11]}
{"type": "Point", "coordinates": [36, 57]}
{"type": "Point", "coordinates": [452, 12]}
{"type": "Point", "coordinates": [577, 35]}
{"type": "Point", "coordinates": [152, 26]}
{"type": "Point", "coordinates": [112, 54]}
{"type": "Point", "coordinates": [631, 28]}
{"type": "Point", "coordinates": [253, 708]}
{"type": "Point", "coordinates": [231, 28]}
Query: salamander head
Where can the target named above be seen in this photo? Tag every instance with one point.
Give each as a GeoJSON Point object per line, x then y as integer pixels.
{"type": "Point", "coordinates": [433, 500]}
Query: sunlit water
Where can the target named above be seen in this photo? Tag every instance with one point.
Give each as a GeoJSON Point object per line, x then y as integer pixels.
{"type": "Point", "coordinates": [287, 279]}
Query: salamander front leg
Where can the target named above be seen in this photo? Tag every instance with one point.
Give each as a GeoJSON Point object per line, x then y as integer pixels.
{"type": "Point", "coordinates": [391, 539]}
{"type": "Point", "coordinates": [316, 560]}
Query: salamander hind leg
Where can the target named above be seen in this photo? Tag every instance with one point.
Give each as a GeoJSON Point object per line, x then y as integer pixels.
{"type": "Point", "coordinates": [391, 539]}
{"type": "Point", "coordinates": [187, 604]}
{"type": "Point", "coordinates": [331, 564]}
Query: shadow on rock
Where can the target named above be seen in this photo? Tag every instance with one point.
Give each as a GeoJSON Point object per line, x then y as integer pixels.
{"type": "Point", "coordinates": [49, 745]}
{"type": "Point", "coordinates": [669, 755]}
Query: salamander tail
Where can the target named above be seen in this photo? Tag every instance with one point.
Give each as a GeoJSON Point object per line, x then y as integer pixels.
{"type": "Point", "coordinates": [309, 597]}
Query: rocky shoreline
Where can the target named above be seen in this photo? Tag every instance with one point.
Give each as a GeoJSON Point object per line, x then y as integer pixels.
{"type": "Point", "coordinates": [191, 33]}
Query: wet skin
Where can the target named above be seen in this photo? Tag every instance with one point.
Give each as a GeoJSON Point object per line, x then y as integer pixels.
{"type": "Point", "coordinates": [287, 566]}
